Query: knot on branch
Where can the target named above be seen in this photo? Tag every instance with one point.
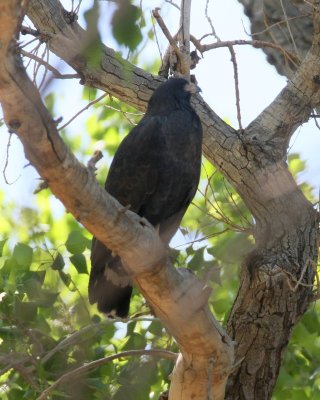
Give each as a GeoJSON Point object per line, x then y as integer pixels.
{"type": "Point", "coordinates": [177, 59]}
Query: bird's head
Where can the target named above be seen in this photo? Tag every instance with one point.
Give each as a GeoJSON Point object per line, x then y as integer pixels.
{"type": "Point", "coordinates": [170, 95]}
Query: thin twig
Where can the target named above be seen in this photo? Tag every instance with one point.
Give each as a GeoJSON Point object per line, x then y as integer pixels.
{"type": "Point", "coordinates": [7, 162]}
{"type": "Point", "coordinates": [49, 67]}
{"type": "Point", "coordinates": [47, 53]}
{"type": "Point", "coordinates": [93, 329]}
{"type": "Point", "coordinates": [82, 110]}
{"type": "Point", "coordinates": [157, 41]}
{"type": "Point", "coordinates": [210, 22]}
{"type": "Point", "coordinates": [230, 194]}
{"type": "Point", "coordinates": [284, 21]}
{"type": "Point", "coordinates": [241, 42]}
{"type": "Point", "coordinates": [34, 50]}
{"type": "Point", "coordinates": [26, 30]}
{"type": "Point", "coordinates": [124, 113]}
{"type": "Point", "coordinates": [203, 238]}
{"type": "Point", "coordinates": [236, 84]}
{"type": "Point", "coordinates": [21, 46]}
{"type": "Point", "coordinates": [173, 4]}
{"type": "Point", "coordinates": [289, 28]}
{"type": "Point", "coordinates": [299, 281]}
{"type": "Point", "coordinates": [165, 31]}
{"type": "Point", "coordinates": [69, 376]}
{"type": "Point", "coordinates": [91, 164]}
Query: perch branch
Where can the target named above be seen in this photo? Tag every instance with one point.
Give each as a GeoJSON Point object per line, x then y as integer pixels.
{"type": "Point", "coordinates": [101, 361]}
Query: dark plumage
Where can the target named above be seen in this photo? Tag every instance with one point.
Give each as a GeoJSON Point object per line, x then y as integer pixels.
{"type": "Point", "coordinates": [156, 171]}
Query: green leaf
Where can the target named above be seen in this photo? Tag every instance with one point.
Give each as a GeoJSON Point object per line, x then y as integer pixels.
{"type": "Point", "coordinates": [197, 260]}
{"type": "Point", "coordinates": [311, 320]}
{"type": "Point", "coordinates": [76, 242]}
{"type": "Point", "coordinates": [93, 48]}
{"type": "Point", "coordinates": [79, 261]}
{"type": "Point", "coordinates": [46, 298]}
{"type": "Point", "coordinates": [239, 243]}
{"type": "Point", "coordinates": [38, 276]}
{"type": "Point", "coordinates": [124, 24]}
{"type": "Point", "coordinates": [58, 263]}
{"type": "Point", "coordinates": [66, 278]}
{"type": "Point", "coordinates": [155, 328]}
{"type": "Point", "coordinates": [23, 254]}
{"type": "Point", "coordinates": [2, 243]}
{"type": "Point", "coordinates": [25, 311]}
{"type": "Point", "coordinates": [296, 165]}
{"type": "Point", "coordinates": [135, 341]}
{"type": "Point", "coordinates": [49, 100]}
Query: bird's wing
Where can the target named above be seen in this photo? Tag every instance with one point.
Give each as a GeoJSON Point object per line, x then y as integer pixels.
{"type": "Point", "coordinates": [132, 178]}
{"type": "Point", "coordinates": [134, 171]}
{"type": "Point", "coordinates": [179, 165]}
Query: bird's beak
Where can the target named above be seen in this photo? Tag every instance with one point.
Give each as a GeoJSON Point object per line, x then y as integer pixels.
{"type": "Point", "coordinates": [192, 88]}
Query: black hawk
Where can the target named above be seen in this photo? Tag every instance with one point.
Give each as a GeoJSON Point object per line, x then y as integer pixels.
{"type": "Point", "coordinates": [156, 172]}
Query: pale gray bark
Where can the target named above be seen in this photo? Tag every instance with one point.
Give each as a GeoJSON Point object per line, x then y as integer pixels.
{"type": "Point", "coordinates": [177, 298]}
{"type": "Point", "coordinates": [269, 301]}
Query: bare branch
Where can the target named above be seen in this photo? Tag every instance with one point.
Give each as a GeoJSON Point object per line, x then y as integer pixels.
{"type": "Point", "coordinates": [210, 22]}
{"type": "Point", "coordinates": [7, 162]}
{"type": "Point", "coordinates": [173, 4]}
{"type": "Point", "coordinates": [165, 31]}
{"type": "Point", "coordinates": [101, 361]}
{"type": "Point", "coordinates": [240, 42]}
{"type": "Point", "coordinates": [289, 28]}
{"type": "Point", "coordinates": [97, 155]}
{"type": "Point", "coordinates": [49, 67]}
{"type": "Point", "coordinates": [25, 30]}
{"type": "Point", "coordinates": [236, 84]}
{"type": "Point", "coordinates": [83, 109]}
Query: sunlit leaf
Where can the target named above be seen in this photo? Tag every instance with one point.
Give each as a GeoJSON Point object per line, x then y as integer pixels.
{"type": "Point", "coordinates": [22, 254]}
{"type": "Point", "coordinates": [124, 24]}
{"type": "Point", "coordinates": [76, 242]}
{"type": "Point", "coordinates": [2, 243]}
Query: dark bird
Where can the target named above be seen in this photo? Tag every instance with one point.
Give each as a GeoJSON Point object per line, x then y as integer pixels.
{"type": "Point", "coordinates": [156, 172]}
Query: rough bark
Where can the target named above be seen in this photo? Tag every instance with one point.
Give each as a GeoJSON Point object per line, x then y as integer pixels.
{"type": "Point", "coordinates": [177, 298]}
{"type": "Point", "coordinates": [276, 278]}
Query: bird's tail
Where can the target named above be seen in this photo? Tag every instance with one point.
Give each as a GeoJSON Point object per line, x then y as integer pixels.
{"type": "Point", "coordinates": [109, 285]}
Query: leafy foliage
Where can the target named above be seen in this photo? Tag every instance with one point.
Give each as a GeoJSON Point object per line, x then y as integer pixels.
{"type": "Point", "coordinates": [125, 24]}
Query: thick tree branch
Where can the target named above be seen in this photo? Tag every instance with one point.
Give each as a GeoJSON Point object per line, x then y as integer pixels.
{"type": "Point", "coordinates": [286, 227]}
{"type": "Point", "coordinates": [118, 77]}
{"type": "Point", "coordinates": [134, 86]}
{"type": "Point", "coordinates": [177, 297]}
{"type": "Point", "coordinates": [277, 123]}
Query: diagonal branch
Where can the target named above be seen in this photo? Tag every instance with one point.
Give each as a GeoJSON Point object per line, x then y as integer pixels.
{"type": "Point", "coordinates": [69, 376]}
